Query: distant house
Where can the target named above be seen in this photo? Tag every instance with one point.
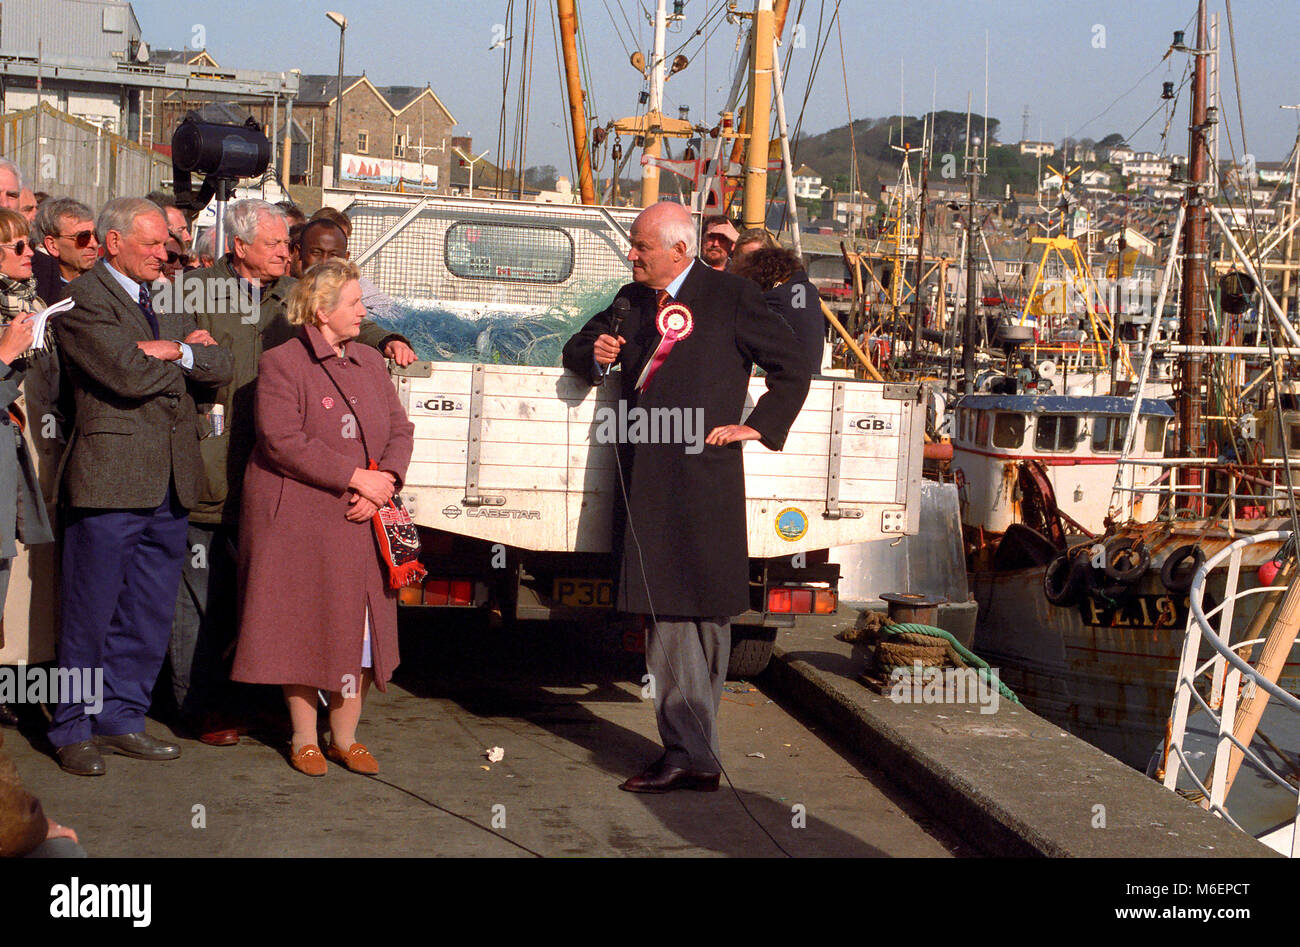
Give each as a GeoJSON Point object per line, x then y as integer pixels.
{"type": "Point", "coordinates": [393, 136]}
{"type": "Point", "coordinates": [1133, 240]}
{"type": "Point", "coordinates": [1037, 149]}
{"type": "Point", "coordinates": [807, 183]}
{"type": "Point", "coordinates": [857, 207]}
{"type": "Point", "coordinates": [1119, 155]}
{"type": "Point", "coordinates": [1095, 179]}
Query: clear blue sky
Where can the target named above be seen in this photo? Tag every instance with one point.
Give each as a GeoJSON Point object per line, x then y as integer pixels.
{"type": "Point", "coordinates": [1066, 61]}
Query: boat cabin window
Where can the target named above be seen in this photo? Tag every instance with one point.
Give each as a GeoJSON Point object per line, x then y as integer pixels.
{"type": "Point", "coordinates": [1056, 432]}
{"type": "Point", "coordinates": [509, 252]}
{"type": "Point", "coordinates": [1008, 430]}
{"type": "Point", "coordinates": [1108, 434]}
{"type": "Point", "coordinates": [1155, 442]}
{"type": "Point", "coordinates": [982, 429]}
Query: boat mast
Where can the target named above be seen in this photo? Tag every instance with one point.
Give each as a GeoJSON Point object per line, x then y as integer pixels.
{"type": "Point", "coordinates": [760, 109]}
{"type": "Point", "coordinates": [654, 117]}
{"type": "Point", "coordinates": [1190, 434]}
{"type": "Point", "coordinates": [917, 313]}
{"type": "Point", "coordinates": [577, 112]}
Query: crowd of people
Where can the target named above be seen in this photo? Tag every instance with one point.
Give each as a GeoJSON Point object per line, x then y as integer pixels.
{"type": "Point", "coordinates": [136, 448]}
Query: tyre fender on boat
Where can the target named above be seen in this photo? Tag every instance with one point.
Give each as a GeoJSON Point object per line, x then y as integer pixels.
{"type": "Point", "coordinates": [1065, 578]}
{"type": "Point", "coordinates": [1126, 560]}
{"type": "Point", "coordinates": [1172, 574]}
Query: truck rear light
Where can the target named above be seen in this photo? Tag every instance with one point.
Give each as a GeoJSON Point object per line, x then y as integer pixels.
{"type": "Point", "coordinates": [800, 600]}
{"type": "Point", "coordinates": [435, 592]}
{"type": "Point", "coordinates": [460, 593]}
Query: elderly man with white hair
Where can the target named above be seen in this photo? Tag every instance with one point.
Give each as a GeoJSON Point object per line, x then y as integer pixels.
{"type": "Point", "coordinates": [131, 472]}
{"type": "Point", "coordinates": [243, 304]}
{"type": "Point", "coordinates": [686, 337]}
{"type": "Point", "coordinates": [11, 185]}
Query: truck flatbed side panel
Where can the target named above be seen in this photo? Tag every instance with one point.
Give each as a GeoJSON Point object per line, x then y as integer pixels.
{"type": "Point", "coordinates": [509, 454]}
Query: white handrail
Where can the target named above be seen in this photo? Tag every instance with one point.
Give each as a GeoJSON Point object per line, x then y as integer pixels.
{"type": "Point", "coordinates": [1228, 669]}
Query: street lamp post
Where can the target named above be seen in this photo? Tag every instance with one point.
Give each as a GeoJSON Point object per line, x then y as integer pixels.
{"type": "Point", "coordinates": [339, 20]}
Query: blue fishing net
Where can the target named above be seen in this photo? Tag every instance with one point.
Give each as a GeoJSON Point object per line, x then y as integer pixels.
{"type": "Point", "coordinates": [499, 338]}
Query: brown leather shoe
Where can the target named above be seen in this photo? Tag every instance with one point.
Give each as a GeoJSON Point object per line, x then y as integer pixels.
{"type": "Point", "coordinates": [215, 730]}
{"type": "Point", "coordinates": [309, 760]}
{"type": "Point", "coordinates": [661, 778]}
{"type": "Point", "coordinates": [357, 758]}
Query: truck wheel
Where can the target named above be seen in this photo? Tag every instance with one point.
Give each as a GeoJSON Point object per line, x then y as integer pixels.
{"type": "Point", "coordinates": [751, 650]}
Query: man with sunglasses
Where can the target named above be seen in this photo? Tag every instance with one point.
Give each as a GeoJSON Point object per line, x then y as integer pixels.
{"type": "Point", "coordinates": [65, 231]}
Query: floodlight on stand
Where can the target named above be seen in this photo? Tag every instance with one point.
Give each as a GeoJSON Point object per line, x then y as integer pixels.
{"type": "Point", "coordinates": [223, 154]}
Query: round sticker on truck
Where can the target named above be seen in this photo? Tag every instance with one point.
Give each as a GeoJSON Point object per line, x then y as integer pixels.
{"type": "Point", "coordinates": [791, 524]}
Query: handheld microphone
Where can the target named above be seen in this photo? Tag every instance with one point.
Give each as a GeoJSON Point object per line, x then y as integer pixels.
{"type": "Point", "coordinates": [621, 309]}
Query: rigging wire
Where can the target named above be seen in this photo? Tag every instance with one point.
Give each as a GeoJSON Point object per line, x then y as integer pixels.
{"type": "Point", "coordinates": [618, 30]}
{"type": "Point", "coordinates": [564, 91]}
{"type": "Point", "coordinates": [823, 40]}
{"type": "Point", "coordinates": [1258, 264]}
{"type": "Point", "coordinates": [507, 56]}
{"type": "Point", "coordinates": [1125, 95]}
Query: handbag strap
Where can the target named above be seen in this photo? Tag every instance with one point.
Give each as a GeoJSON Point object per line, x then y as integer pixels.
{"type": "Point", "coordinates": [360, 430]}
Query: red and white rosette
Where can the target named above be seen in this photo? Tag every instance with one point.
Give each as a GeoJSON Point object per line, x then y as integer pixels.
{"type": "Point", "coordinates": [674, 322]}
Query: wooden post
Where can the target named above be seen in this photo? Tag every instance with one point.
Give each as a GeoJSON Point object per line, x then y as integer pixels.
{"type": "Point", "coordinates": [577, 111]}
{"type": "Point", "coordinates": [760, 99]}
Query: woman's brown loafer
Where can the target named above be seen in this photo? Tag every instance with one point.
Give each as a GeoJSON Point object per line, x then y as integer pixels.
{"type": "Point", "coordinates": [309, 760]}
{"type": "Point", "coordinates": [357, 758]}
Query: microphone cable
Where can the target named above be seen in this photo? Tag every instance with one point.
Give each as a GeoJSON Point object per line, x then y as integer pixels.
{"type": "Point", "coordinates": [618, 462]}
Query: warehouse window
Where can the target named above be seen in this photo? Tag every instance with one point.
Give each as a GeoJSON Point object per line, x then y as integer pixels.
{"type": "Point", "coordinates": [509, 252]}
{"type": "Point", "coordinates": [363, 143]}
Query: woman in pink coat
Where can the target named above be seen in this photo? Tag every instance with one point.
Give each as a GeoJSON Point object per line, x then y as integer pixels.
{"type": "Point", "coordinates": [316, 611]}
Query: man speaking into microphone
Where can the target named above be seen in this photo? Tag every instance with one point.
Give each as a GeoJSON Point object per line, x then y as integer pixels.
{"type": "Point", "coordinates": [686, 337]}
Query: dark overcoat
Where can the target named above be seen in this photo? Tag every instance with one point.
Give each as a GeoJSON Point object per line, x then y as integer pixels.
{"type": "Point", "coordinates": [685, 516]}
{"type": "Point", "coordinates": [306, 573]}
{"type": "Point", "coordinates": [798, 302]}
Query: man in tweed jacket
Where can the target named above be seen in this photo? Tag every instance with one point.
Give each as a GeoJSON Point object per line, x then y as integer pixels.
{"type": "Point", "coordinates": [130, 474]}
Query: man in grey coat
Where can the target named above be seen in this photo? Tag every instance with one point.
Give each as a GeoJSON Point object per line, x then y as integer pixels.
{"type": "Point", "coordinates": [130, 474]}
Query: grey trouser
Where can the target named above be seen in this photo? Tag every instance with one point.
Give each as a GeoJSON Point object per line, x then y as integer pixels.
{"type": "Point", "coordinates": [687, 660]}
{"type": "Point", "coordinates": [204, 624]}
{"type": "Point", "coordinates": [57, 848]}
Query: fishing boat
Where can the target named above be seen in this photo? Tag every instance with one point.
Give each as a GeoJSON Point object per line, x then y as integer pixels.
{"type": "Point", "coordinates": [1087, 618]}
